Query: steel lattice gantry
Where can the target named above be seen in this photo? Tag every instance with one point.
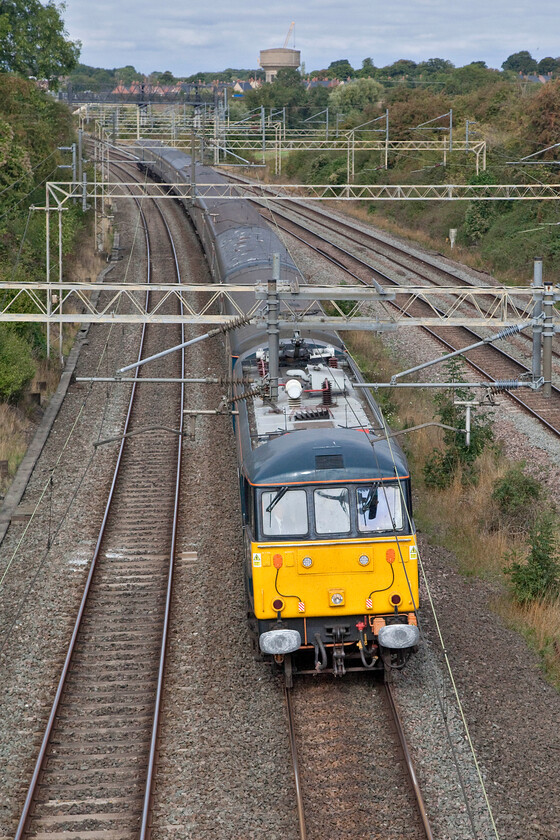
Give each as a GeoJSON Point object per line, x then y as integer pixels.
{"type": "Point", "coordinates": [61, 192]}
{"type": "Point", "coordinates": [65, 302]}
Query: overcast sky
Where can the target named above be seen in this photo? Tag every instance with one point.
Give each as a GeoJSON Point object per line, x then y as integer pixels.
{"type": "Point", "coordinates": [188, 38]}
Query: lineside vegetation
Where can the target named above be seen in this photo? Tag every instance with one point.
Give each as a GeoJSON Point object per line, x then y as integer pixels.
{"type": "Point", "coordinates": [32, 127]}
{"type": "Point", "coordinates": [494, 516]}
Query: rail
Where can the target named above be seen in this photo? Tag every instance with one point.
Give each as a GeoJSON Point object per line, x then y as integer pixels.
{"type": "Point", "coordinates": [295, 766]}
{"type": "Point", "coordinates": [389, 694]}
{"type": "Point", "coordinates": [26, 810]}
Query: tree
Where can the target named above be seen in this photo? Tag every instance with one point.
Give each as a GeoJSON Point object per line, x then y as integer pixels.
{"type": "Point", "coordinates": [127, 74]}
{"type": "Point", "coordinates": [341, 69]}
{"type": "Point", "coordinates": [520, 62]}
{"type": "Point", "coordinates": [442, 465]}
{"type": "Point", "coordinates": [435, 65]}
{"type": "Point", "coordinates": [538, 577]}
{"type": "Point", "coordinates": [402, 67]}
{"type": "Point", "coordinates": [16, 175]}
{"type": "Point", "coordinates": [469, 78]}
{"type": "Point", "coordinates": [16, 364]}
{"type": "Point", "coordinates": [411, 106]}
{"type": "Point", "coordinates": [548, 65]}
{"type": "Point", "coordinates": [285, 91]}
{"type": "Point", "coordinates": [288, 77]}
{"type": "Point", "coordinates": [33, 40]}
{"type": "Point", "coordinates": [166, 78]}
{"type": "Point", "coordinates": [355, 95]}
{"type": "Point", "coordinates": [369, 70]}
{"type": "Point", "coordinates": [544, 119]}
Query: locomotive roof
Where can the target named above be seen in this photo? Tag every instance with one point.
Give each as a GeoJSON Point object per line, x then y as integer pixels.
{"type": "Point", "coordinates": [324, 455]}
{"type": "Point", "coordinates": [250, 247]}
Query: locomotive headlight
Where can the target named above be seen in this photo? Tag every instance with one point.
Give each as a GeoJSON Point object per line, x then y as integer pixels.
{"type": "Point", "coordinates": [278, 642]}
{"type": "Point", "coordinates": [364, 560]}
{"type": "Point", "coordinates": [336, 598]}
{"type": "Point", "coordinates": [398, 636]}
{"type": "Point", "coordinates": [307, 562]}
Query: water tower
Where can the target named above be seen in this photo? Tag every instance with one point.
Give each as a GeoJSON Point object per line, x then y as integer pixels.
{"type": "Point", "coordinates": [273, 60]}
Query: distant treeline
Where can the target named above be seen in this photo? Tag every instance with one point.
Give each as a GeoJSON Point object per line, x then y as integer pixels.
{"type": "Point", "coordinates": [430, 72]}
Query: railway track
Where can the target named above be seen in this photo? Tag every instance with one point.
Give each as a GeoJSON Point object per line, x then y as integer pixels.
{"type": "Point", "coordinates": [491, 362]}
{"type": "Point", "coordinates": [93, 774]}
{"type": "Point", "coordinates": [348, 780]}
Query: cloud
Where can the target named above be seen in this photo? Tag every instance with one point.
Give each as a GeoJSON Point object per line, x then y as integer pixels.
{"type": "Point", "coordinates": [187, 39]}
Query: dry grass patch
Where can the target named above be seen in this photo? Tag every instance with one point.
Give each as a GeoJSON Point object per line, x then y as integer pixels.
{"type": "Point", "coordinates": [15, 431]}
{"type": "Point", "coordinates": [463, 520]}
{"type": "Point", "coordinates": [540, 624]}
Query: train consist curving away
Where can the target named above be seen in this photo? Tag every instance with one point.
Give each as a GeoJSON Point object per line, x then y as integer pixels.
{"type": "Point", "coordinates": [331, 562]}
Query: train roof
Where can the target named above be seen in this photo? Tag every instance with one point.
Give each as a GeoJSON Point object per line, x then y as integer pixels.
{"type": "Point", "coordinates": [324, 455]}
{"type": "Point", "coordinates": [250, 247]}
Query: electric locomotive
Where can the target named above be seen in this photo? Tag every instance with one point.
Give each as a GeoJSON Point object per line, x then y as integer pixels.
{"type": "Point", "coordinates": [331, 566]}
{"type": "Point", "coordinates": [331, 560]}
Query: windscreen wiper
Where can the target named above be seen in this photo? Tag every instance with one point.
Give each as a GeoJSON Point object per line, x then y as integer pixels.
{"type": "Point", "coordinates": [369, 506]}
{"type": "Point", "coordinates": [282, 492]}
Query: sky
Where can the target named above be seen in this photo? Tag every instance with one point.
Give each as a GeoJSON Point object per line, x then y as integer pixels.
{"type": "Point", "coordinates": [190, 38]}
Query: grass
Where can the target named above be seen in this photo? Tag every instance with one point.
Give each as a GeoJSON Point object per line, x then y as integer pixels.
{"type": "Point", "coordinates": [466, 256]}
{"type": "Point", "coordinates": [463, 518]}
{"type": "Point", "coordinates": [16, 427]}
{"type": "Point", "coordinates": [540, 624]}
{"type": "Point", "coordinates": [15, 432]}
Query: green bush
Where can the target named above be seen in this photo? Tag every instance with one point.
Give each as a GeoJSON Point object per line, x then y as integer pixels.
{"type": "Point", "coordinates": [516, 492]}
{"type": "Point", "coordinates": [538, 576]}
{"type": "Point", "coordinates": [441, 466]}
{"type": "Point", "coordinates": [16, 365]}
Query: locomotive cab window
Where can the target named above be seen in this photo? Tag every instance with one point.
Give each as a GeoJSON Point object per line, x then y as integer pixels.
{"type": "Point", "coordinates": [284, 512]}
{"type": "Point", "coordinates": [380, 508]}
{"type": "Point", "coordinates": [332, 510]}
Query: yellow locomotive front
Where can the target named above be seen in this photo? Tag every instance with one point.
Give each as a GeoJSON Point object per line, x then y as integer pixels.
{"type": "Point", "coordinates": [332, 566]}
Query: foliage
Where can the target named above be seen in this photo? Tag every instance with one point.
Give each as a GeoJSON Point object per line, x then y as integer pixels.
{"type": "Point", "coordinates": [15, 169]}
{"type": "Point", "coordinates": [165, 78]}
{"type": "Point", "coordinates": [516, 493]}
{"type": "Point", "coordinates": [402, 68]}
{"type": "Point", "coordinates": [472, 77]}
{"type": "Point", "coordinates": [544, 119]}
{"type": "Point", "coordinates": [479, 214]}
{"type": "Point", "coordinates": [341, 69]}
{"type": "Point", "coordinates": [410, 107]}
{"type": "Point", "coordinates": [538, 576]}
{"type": "Point", "coordinates": [31, 124]}
{"type": "Point", "coordinates": [548, 65]}
{"type": "Point", "coordinates": [442, 465]}
{"type": "Point", "coordinates": [356, 95]}
{"type": "Point", "coordinates": [433, 66]}
{"type": "Point", "coordinates": [38, 121]}
{"type": "Point", "coordinates": [368, 71]}
{"type": "Point", "coordinates": [93, 78]}
{"type": "Point", "coordinates": [285, 91]}
{"type": "Point", "coordinates": [230, 74]}
{"type": "Point", "coordinates": [520, 62]}
{"type": "Point", "coordinates": [33, 40]}
{"type": "Point", "coordinates": [16, 364]}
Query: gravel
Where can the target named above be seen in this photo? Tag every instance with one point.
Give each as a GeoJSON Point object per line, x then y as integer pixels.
{"type": "Point", "coordinates": [224, 767]}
